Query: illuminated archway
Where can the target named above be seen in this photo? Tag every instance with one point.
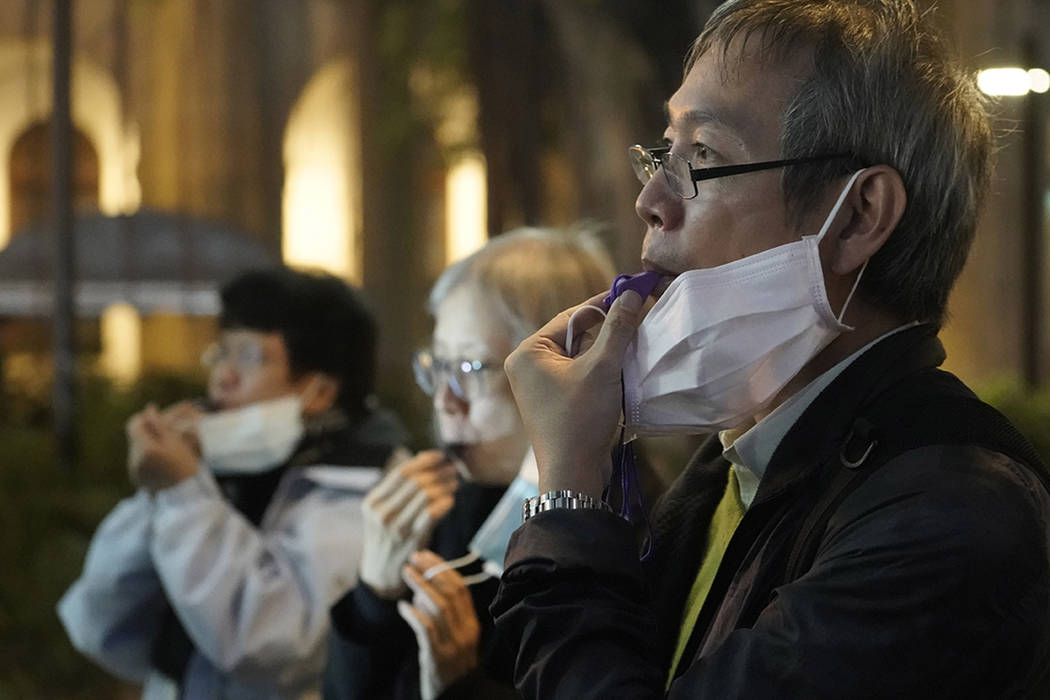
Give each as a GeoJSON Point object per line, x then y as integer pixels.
{"type": "Point", "coordinates": [25, 92]}
{"type": "Point", "coordinates": [30, 176]}
{"type": "Point", "coordinates": [322, 166]}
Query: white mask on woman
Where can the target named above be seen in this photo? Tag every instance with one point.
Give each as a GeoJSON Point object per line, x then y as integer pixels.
{"type": "Point", "coordinates": [722, 342]}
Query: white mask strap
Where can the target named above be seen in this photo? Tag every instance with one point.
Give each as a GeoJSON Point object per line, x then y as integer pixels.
{"type": "Point", "coordinates": [469, 580]}
{"type": "Point", "coordinates": [466, 559]}
{"type": "Point", "coordinates": [849, 296]}
{"type": "Point", "coordinates": [824, 229]}
{"type": "Point", "coordinates": [838, 204]}
{"type": "Point", "coordinates": [568, 330]}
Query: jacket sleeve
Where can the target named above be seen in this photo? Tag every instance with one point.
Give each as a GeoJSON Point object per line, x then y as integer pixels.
{"type": "Point", "coordinates": [929, 583]}
{"type": "Point", "coordinates": [369, 647]}
{"type": "Point", "coordinates": [255, 602]}
{"type": "Point", "coordinates": [112, 611]}
{"type": "Point", "coordinates": [574, 600]}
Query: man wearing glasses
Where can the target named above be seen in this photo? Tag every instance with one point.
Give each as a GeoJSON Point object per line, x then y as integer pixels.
{"type": "Point", "coordinates": [215, 578]}
{"type": "Point", "coordinates": [861, 525]}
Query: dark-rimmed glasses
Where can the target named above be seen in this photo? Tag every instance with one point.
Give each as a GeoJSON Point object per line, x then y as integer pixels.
{"type": "Point", "coordinates": [682, 177]}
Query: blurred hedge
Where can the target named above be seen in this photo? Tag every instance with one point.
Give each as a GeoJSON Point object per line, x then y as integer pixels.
{"type": "Point", "coordinates": [47, 517]}
{"type": "Point", "coordinates": [1028, 410]}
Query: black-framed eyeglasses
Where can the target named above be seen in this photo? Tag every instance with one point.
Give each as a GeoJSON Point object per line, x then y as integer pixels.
{"type": "Point", "coordinates": [466, 378]}
{"type": "Point", "coordinates": [682, 176]}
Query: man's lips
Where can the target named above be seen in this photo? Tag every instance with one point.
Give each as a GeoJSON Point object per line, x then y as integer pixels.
{"type": "Point", "coordinates": [664, 283]}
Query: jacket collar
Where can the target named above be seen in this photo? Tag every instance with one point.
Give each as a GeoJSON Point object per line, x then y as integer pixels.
{"type": "Point", "coordinates": [821, 429]}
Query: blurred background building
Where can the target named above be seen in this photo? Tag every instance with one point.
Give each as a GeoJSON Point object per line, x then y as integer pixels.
{"type": "Point", "coordinates": [380, 140]}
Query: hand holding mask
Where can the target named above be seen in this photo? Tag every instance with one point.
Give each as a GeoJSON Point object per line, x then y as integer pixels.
{"type": "Point", "coordinates": [442, 617]}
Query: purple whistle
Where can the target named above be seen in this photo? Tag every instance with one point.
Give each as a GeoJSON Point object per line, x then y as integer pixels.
{"type": "Point", "coordinates": [643, 283]}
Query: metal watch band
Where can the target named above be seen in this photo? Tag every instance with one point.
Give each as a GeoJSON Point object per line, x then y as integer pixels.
{"type": "Point", "coordinates": [571, 500]}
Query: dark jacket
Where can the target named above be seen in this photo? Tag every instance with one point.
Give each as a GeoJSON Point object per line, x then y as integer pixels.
{"type": "Point", "coordinates": [372, 652]}
{"type": "Point", "coordinates": [930, 580]}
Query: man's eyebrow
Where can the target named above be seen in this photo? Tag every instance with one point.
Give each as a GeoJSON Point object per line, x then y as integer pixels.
{"type": "Point", "coordinates": [706, 117]}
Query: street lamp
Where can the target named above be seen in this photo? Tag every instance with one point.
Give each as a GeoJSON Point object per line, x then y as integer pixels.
{"type": "Point", "coordinates": [1013, 82]}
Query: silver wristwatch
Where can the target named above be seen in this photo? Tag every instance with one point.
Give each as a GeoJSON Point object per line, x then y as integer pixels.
{"type": "Point", "coordinates": [572, 500]}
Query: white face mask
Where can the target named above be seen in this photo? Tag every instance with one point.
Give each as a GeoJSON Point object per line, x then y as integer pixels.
{"type": "Point", "coordinates": [722, 342]}
{"type": "Point", "coordinates": [489, 543]}
{"type": "Point", "coordinates": [491, 540]}
{"type": "Point", "coordinates": [253, 438]}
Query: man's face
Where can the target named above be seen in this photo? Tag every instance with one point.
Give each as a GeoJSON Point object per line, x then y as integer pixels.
{"type": "Point", "coordinates": [724, 113]}
{"type": "Point", "coordinates": [249, 366]}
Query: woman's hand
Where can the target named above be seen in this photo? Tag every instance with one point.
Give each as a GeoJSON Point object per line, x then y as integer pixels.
{"type": "Point", "coordinates": [442, 616]}
{"type": "Point", "coordinates": [399, 514]}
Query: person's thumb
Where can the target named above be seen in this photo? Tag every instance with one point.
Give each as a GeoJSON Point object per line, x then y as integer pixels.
{"type": "Point", "coordinates": [619, 326]}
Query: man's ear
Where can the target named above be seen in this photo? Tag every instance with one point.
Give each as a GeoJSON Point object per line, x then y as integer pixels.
{"type": "Point", "coordinates": [877, 202]}
{"type": "Point", "coordinates": [319, 392]}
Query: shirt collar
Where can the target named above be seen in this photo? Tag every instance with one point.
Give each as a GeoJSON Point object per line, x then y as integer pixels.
{"type": "Point", "coordinates": [750, 447]}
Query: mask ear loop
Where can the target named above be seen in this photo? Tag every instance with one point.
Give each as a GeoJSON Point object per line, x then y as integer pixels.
{"type": "Point", "coordinates": [459, 563]}
{"type": "Point", "coordinates": [568, 331]}
{"type": "Point", "coordinates": [856, 283]}
{"type": "Point", "coordinates": [824, 229]}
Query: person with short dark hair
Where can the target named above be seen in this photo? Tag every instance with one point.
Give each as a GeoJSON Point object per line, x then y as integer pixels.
{"type": "Point", "coordinates": [861, 525]}
{"type": "Point", "coordinates": [215, 578]}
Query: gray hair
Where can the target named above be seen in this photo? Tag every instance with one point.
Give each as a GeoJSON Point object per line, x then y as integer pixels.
{"type": "Point", "coordinates": [530, 275]}
{"type": "Point", "coordinates": [885, 89]}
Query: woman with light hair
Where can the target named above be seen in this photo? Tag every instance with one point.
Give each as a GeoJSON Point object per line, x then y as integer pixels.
{"type": "Point", "coordinates": [436, 528]}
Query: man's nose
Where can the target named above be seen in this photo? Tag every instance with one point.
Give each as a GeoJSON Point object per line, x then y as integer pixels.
{"type": "Point", "coordinates": [657, 205]}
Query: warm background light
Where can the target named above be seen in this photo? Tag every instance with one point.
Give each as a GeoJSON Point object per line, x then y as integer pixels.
{"type": "Point", "coordinates": [321, 208]}
{"type": "Point", "coordinates": [1013, 82]}
{"type": "Point", "coordinates": [1038, 80]}
{"type": "Point", "coordinates": [121, 336]}
{"type": "Point", "coordinates": [25, 92]}
{"type": "Point", "coordinates": [466, 214]}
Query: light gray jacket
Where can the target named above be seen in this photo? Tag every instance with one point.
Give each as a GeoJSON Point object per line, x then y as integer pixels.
{"type": "Point", "coordinates": [253, 600]}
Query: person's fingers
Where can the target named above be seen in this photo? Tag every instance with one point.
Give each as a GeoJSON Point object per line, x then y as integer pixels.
{"type": "Point", "coordinates": [555, 329]}
{"type": "Point", "coordinates": [403, 520]}
{"type": "Point", "coordinates": [425, 559]}
{"type": "Point", "coordinates": [391, 482]}
{"type": "Point", "coordinates": [425, 521]}
{"type": "Point", "coordinates": [426, 597]}
{"type": "Point", "coordinates": [439, 489]}
{"type": "Point", "coordinates": [619, 327]}
{"type": "Point", "coordinates": [133, 428]}
{"type": "Point", "coordinates": [399, 485]}
{"type": "Point", "coordinates": [388, 509]}
{"type": "Point", "coordinates": [153, 426]}
{"type": "Point", "coordinates": [399, 474]}
{"type": "Point", "coordinates": [422, 626]}
{"type": "Point", "coordinates": [400, 509]}
{"type": "Point", "coordinates": [183, 416]}
{"type": "Point", "coordinates": [586, 324]}
{"type": "Point", "coordinates": [443, 480]}
{"type": "Point", "coordinates": [454, 590]}
{"type": "Point", "coordinates": [423, 461]}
